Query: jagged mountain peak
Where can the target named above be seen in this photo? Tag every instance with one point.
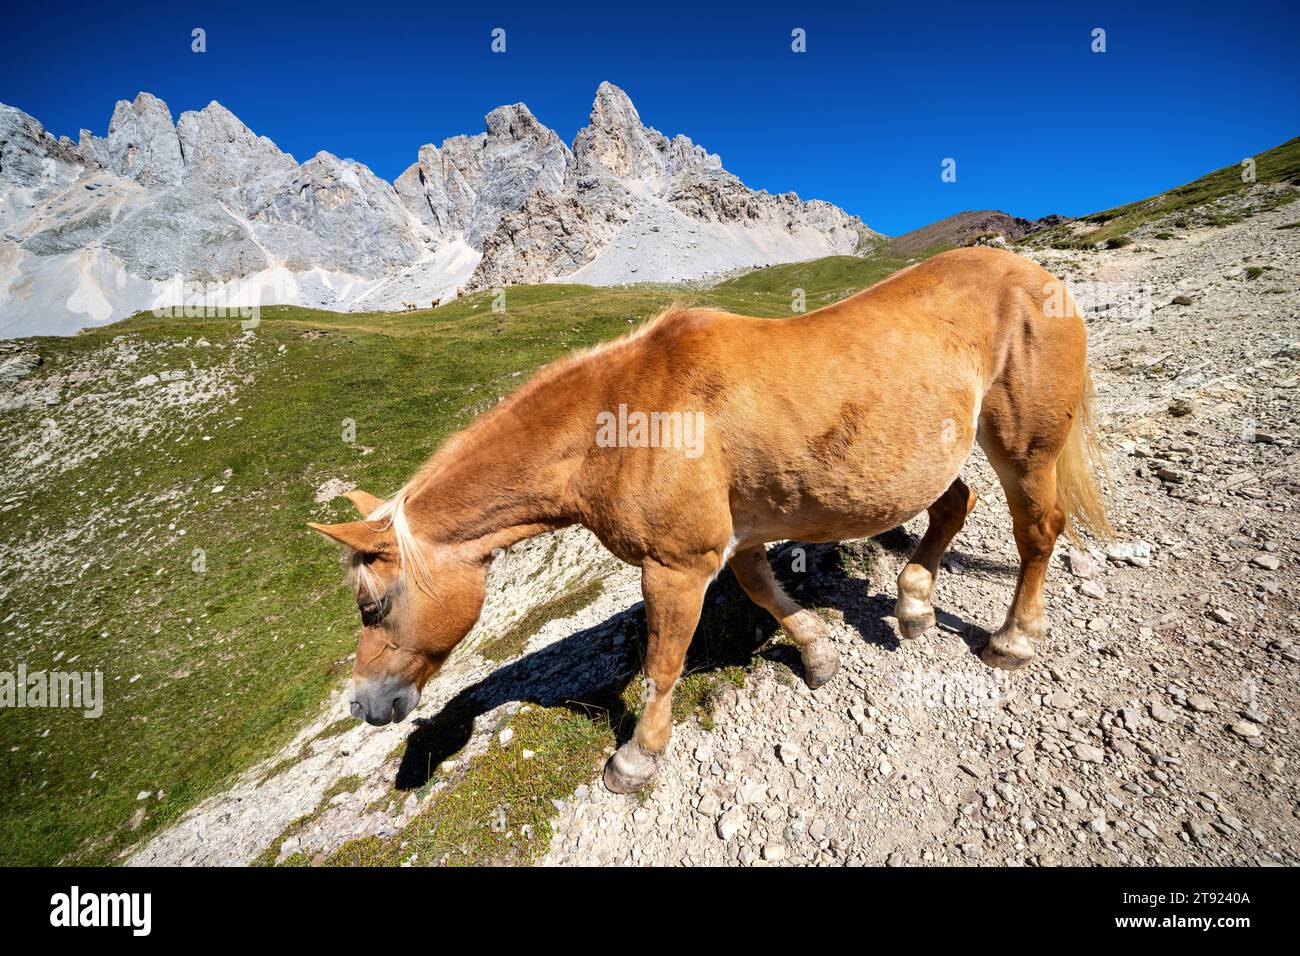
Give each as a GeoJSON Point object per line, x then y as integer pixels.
{"type": "Point", "coordinates": [141, 143]}
{"type": "Point", "coordinates": [616, 141]}
{"type": "Point", "coordinates": [613, 105]}
{"type": "Point", "coordinates": [207, 197]}
{"type": "Point", "coordinates": [514, 121]}
{"type": "Point", "coordinates": [145, 104]}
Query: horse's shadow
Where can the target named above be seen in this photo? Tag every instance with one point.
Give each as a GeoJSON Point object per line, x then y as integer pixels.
{"type": "Point", "coordinates": [587, 671]}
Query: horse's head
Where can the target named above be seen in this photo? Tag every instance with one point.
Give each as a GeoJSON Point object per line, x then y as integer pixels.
{"type": "Point", "coordinates": [416, 602]}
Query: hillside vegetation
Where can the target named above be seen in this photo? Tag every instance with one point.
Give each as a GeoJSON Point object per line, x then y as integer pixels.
{"type": "Point", "coordinates": [1277, 166]}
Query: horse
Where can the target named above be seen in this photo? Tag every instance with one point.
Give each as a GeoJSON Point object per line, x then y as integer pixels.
{"type": "Point", "coordinates": [700, 437]}
{"type": "Point", "coordinates": [409, 306]}
{"type": "Point", "coordinates": [436, 303]}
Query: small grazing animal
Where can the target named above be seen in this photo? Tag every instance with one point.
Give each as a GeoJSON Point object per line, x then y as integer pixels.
{"type": "Point", "coordinates": [409, 306]}
{"type": "Point", "coordinates": [692, 442]}
{"type": "Point", "coordinates": [436, 303]}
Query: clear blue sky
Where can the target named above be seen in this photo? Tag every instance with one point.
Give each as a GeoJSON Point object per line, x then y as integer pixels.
{"type": "Point", "coordinates": [1036, 121]}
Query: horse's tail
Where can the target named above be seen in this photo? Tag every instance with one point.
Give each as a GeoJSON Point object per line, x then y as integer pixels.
{"type": "Point", "coordinates": [1081, 463]}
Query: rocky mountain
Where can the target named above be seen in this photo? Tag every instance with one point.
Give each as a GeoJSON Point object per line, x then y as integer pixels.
{"type": "Point", "coordinates": [960, 229]}
{"type": "Point", "coordinates": [93, 230]}
{"type": "Point", "coordinates": [636, 205]}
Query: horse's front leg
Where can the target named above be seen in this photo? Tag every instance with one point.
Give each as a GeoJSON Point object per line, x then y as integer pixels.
{"type": "Point", "coordinates": [673, 597]}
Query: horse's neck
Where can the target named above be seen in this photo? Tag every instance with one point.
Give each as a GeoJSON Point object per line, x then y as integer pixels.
{"type": "Point", "coordinates": [500, 482]}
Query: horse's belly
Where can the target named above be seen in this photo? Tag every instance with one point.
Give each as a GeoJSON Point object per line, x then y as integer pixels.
{"type": "Point", "coordinates": [854, 498]}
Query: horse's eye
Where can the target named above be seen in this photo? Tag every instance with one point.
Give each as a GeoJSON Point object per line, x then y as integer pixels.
{"type": "Point", "coordinates": [374, 610]}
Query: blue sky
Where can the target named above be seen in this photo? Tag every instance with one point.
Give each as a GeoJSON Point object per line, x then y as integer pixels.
{"type": "Point", "coordinates": [885, 92]}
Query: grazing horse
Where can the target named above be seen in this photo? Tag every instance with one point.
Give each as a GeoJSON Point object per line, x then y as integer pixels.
{"type": "Point", "coordinates": [409, 306]}
{"type": "Point", "coordinates": [695, 440]}
{"type": "Point", "coordinates": [436, 303]}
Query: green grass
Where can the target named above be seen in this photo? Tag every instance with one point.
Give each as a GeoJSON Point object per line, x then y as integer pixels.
{"type": "Point", "coordinates": [771, 291]}
{"type": "Point", "coordinates": [500, 811]}
{"type": "Point", "coordinates": [1278, 165]}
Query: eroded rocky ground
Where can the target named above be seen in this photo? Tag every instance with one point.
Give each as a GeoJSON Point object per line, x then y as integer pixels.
{"type": "Point", "coordinates": [1158, 725]}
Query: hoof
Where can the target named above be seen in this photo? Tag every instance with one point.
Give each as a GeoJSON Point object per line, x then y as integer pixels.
{"type": "Point", "coordinates": [821, 662]}
{"type": "Point", "coordinates": [630, 769]}
{"type": "Point", "coordinates": [910, 628]}
{"type": "Point", "coordinates": [915, 617]}
{"type": "Point", "coordinates": [1008, 650]}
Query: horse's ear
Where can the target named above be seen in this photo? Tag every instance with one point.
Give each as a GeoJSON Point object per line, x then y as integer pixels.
{"type": "Point", "coordinates": [364, 502]}
{"type": "Point", "coordinates": [365, 536]}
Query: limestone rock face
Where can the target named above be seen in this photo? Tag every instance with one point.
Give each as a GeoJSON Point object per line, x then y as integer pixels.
{"type": "Point", "coordinates": [638, 206]}
{"type": "Point", "coordinates": [333, 214]}
{"type": "Point", "coordinates": [227, 158]}
{"type": "Point", "coordinates": [141, 143]}
{"type": "Point", "coordinates": [90, 230]}
{"type": "Point", "coordinates": [29, 155]}
{"type": "Point", "coordinates": [464, 187]}
{"type": "Point", "coordinates": [182, 233]}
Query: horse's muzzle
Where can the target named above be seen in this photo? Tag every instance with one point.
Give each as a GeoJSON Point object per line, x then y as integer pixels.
{"type": "Point", "coordinates": [383, 701]}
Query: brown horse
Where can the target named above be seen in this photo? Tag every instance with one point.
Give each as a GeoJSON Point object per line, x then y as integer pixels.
{"type": "Point", "coordinates": [694, 441]}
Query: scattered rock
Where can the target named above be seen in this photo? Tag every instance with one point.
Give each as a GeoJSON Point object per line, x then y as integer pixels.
{"type": "Point", "coordinates": [730, 823]}
{"type": "Point", "coordinates": [1088, 753]}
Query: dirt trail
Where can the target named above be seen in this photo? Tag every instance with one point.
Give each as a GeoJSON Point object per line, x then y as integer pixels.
{"type": "Point", "coordinates": [1158, 725]}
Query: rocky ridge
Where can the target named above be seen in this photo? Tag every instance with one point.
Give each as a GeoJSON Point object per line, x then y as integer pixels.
{"type": "Point", "coordinates": [93, 230]}
{"type": "Point", "coordinates": [964, 227]}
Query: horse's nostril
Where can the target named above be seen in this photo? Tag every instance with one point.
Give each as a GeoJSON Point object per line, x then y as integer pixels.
{"type": "Point", "coordinates": [357, 710]}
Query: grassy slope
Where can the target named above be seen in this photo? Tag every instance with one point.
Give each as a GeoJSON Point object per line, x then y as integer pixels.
{"type": "Point", "coordinates": [207, 672]}
{"type": "Point", "coordinates": [1278, 165]}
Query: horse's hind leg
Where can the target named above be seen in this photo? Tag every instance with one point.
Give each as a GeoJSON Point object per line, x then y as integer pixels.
{"type": "Point", "coordinates": [1037, 520]}
{"type": "Point", "coordinates": [915, 608]}
{"type": "Point", "coordinates": [820, 659]}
